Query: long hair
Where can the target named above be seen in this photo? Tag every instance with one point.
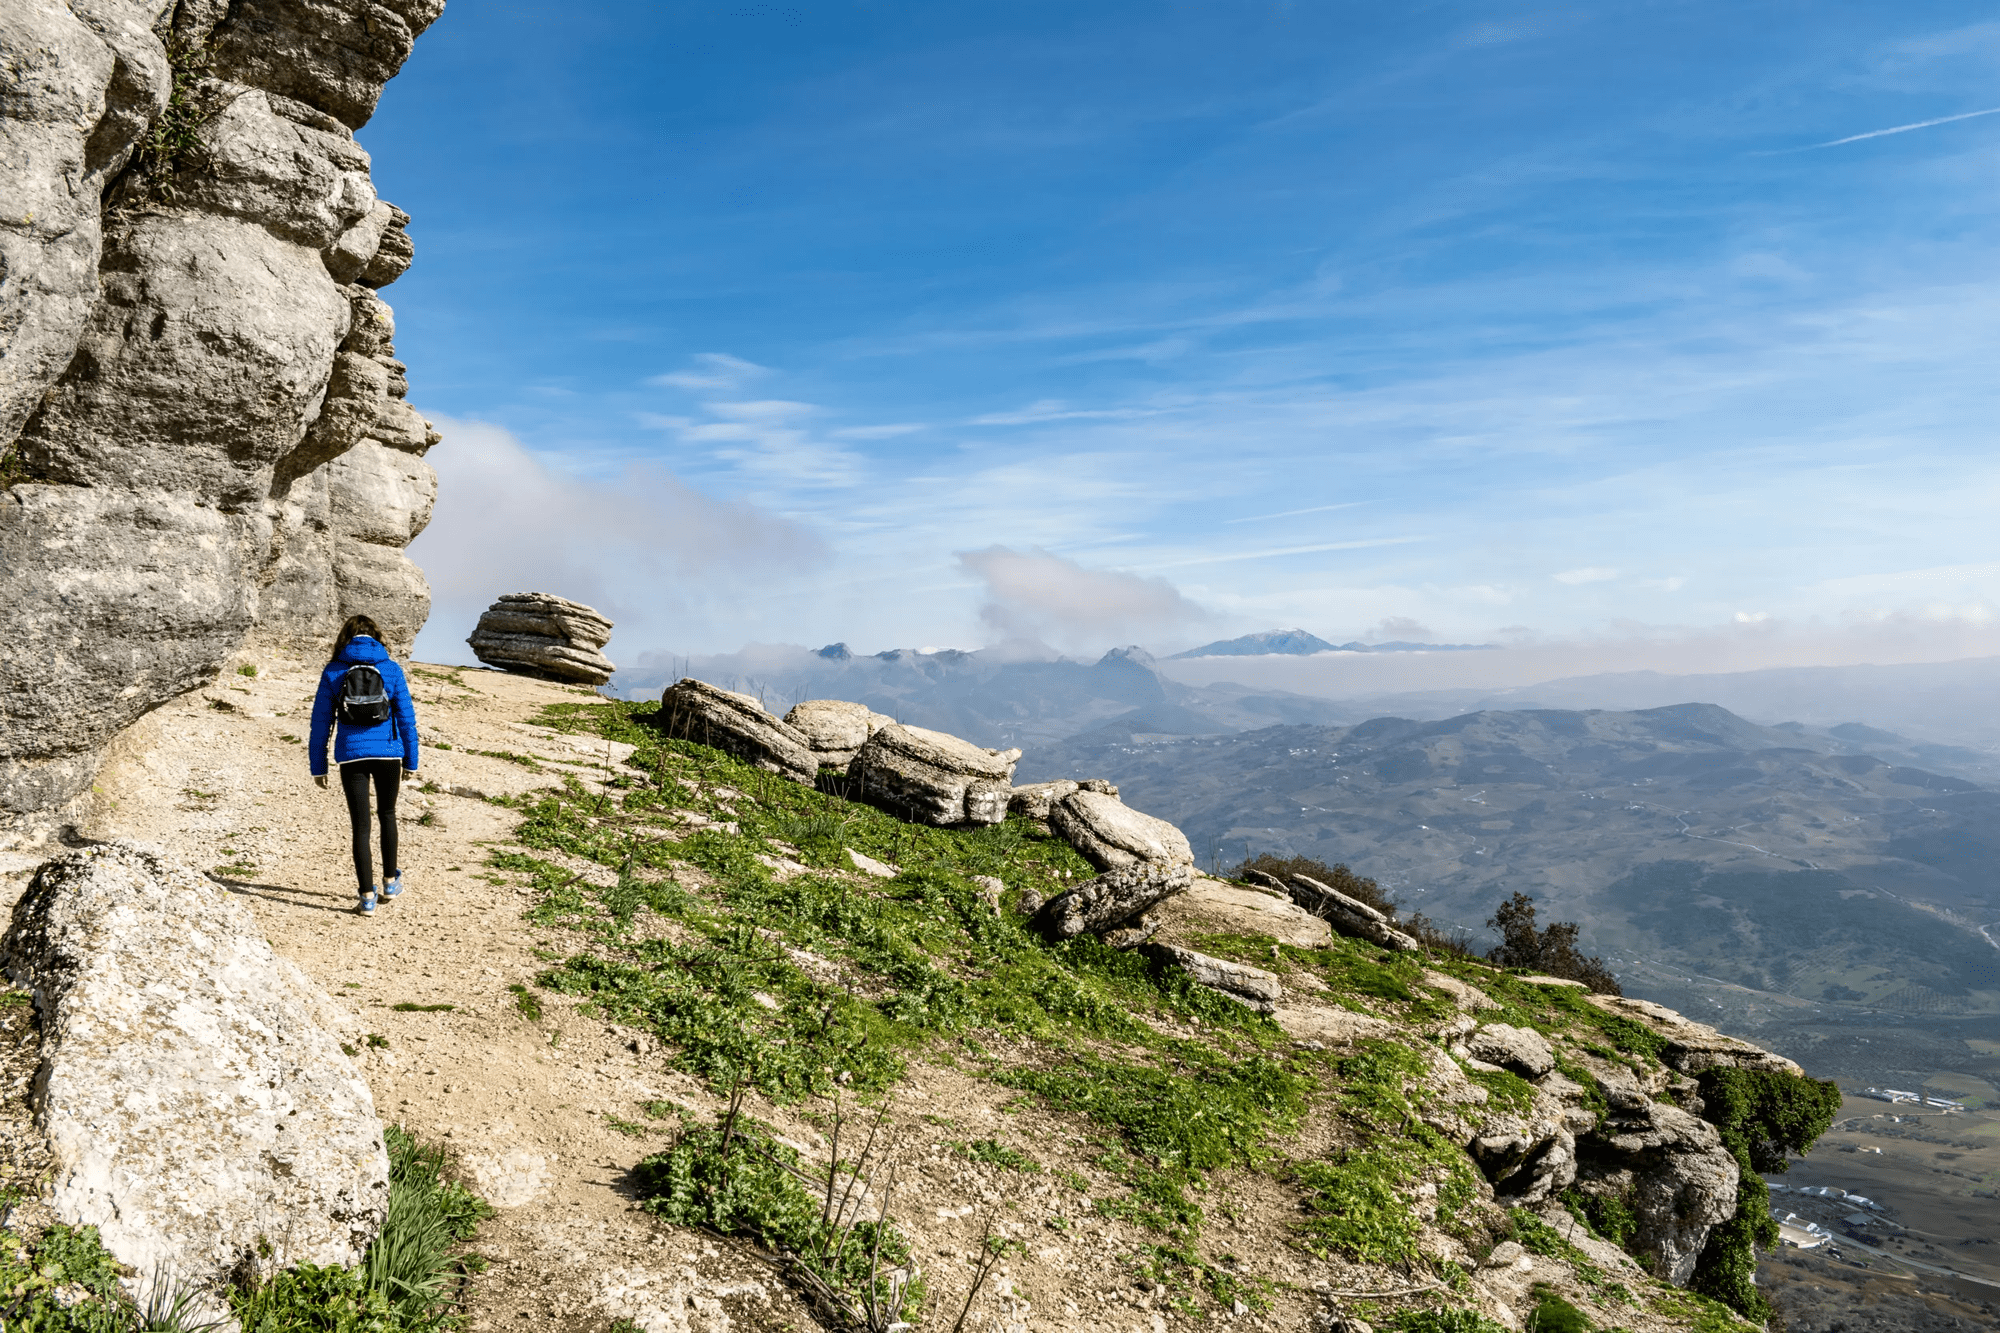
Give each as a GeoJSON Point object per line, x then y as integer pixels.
{"type": "Point", "coordinates": [355, 627]}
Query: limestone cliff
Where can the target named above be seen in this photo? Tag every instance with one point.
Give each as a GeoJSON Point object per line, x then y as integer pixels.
{"type": "Point", "coordinates": [202, 419]}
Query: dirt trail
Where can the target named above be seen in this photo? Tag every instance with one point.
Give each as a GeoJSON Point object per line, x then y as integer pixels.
{"type": "Point", "coordinates": [220, 779]}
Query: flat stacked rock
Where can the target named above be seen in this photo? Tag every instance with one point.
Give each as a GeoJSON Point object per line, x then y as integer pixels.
{"type": "Point", "coordinates": [694, 710]}
{"type": "Point", "coordinates": [836, 729]}
{"type": "Point", "coordinates": [1349, 916]}
{"type": "Point", "coordinates": [1112, 835]}
{"type": "Point", "coordinates": [928, 777]}
{"type": "Point", "coordinates": [536, 634]}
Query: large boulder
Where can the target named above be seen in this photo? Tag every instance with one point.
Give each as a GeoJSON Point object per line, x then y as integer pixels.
{"type": "Point", "coordinates": [1112, 835]}
{"type": "Point", "coordinates": [1348, 915]}
{"type": "Point", "coordinates": [694, 710]}
{"type": "Point", "coordinates": [537, 634]}
{"type": "Point", "coordinates": [1672, 1172]}
{"type": "Point", "coordinates": [198, 1104]}
{"type": "Point", "coordinates": [1113, 898]}
{"type": "Point", "coordinates": [928, 777]}
{"type": "Point", "coordinates": [836, 729]}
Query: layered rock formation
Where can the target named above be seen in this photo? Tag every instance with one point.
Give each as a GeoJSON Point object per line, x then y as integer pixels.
{"type": "Point", "coordinates": [1348, 915]}
{"type": "Point", "coordinates": [836, 729]}
{"type": "Point", "coordinates": [929, 777]}
{"type": "Point", "coordinates": [536, 634]}
{"type": "Point", "coordinates": [197, 1102]}
{"type": "Point", "coordinates": [694, 710]}
{"type": "Point", "coordinates": [203, 437]}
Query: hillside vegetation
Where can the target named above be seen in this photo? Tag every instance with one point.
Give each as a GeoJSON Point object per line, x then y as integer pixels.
{"type": "Point", "coordinates": [1156, 1143]}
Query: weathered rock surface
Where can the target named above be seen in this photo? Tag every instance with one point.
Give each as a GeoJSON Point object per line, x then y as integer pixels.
{"type": "Point", "coordinates": [1252, 986]}
{"type": "Point", "coordinates": [836, 729]}
{"type": "Point", "coordinates": [694, 710]}
{"type": "Point", "coordinates": [539, 634]}
{"type": "Point", "coordinates": [1113, 898]}
{"type": "Point", "coordinates": [928, 777]}
{"type": "Point", "coordinates": [1112, 835]}
{"type": "Point", "coordinates": [1691, 1046]}
{"type": "Point", "coordinates": [1349, 916]}
{"type": "Point", "coordinates": [1037, 799]}
{"type": "Point", "coordinates": [1671, 1170]}
{"type": "Point", "coordinates": [1520, 1050]}
{"type": "Point", "coordinates": [192, 1084]}
{"type": "Point", "coordinates": [202, 422]}
{"type": "Point", "coordinates": [1213, 905]}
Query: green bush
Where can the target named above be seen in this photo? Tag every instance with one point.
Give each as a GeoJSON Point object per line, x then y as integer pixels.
{"type": "Point", "coordinates": [1764, 1117]}
{"type": "Point", "coordinates": [739, 1181]}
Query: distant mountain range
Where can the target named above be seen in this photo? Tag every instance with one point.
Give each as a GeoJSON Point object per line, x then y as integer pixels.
{"type": "Point", "coordinates": [1786, 878]}
{"type": "Point", "coordinates": [1298, 643]}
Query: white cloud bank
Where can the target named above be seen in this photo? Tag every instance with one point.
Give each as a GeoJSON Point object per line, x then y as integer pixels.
{"type": "Point", "coordinates": [655, 555]}
{"type": "Point", "coordinates": [1039, 597]}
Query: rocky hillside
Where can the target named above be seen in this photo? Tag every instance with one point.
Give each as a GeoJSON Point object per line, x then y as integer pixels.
{"type": "Point", "coordinates": [204, 442]}
{"type": "Point", "coordinates": [674, 1010]}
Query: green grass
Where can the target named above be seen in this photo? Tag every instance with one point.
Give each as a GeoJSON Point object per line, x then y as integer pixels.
{"type": "Point", "coordinates": [411, 1007]}
{"type": "Point", "coordinates": [800, 986]}
{"type": "Point", "coordinates": [996, 1153]}
{"type": "Point", "coordinates": [408, 1281]}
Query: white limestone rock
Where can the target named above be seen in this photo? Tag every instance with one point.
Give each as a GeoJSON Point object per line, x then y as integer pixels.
{"type": "Point", "coordinates": [694, 710]}
{"type": "Point", "coordinates": [192, 1085]}
{"type": "Point", "coordinates": [929, 777]}
{"type": "Point", "coordinates": [1112, 835]}
{"type": "Point", "coordinates": [1113, 898]}
{"type": "Point", "coordinates": [836, 729]}
{"type": "Point", "coordinates": [540, 634]}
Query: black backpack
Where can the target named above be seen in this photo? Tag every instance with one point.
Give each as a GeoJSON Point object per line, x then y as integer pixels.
{"type": "Point", "coordinates": [364, 699]}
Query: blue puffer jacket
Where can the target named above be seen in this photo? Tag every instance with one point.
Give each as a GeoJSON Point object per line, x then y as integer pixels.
{"type": "Point", "coordinates": [393, 738]}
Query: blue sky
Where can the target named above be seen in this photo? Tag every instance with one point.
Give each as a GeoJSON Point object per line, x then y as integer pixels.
{"type": "Point", "coordinates": [923, 324]}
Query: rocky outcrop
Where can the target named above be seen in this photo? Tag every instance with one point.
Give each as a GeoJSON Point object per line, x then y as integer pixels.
{"type": "Point", "coordinates": [1691, 1046]}
{"type": "Point", "coordinates": [203, 435]}
{"type": "Point", "coordinates": [1038, 799]}
{"type": "Point", "coordinates": [1251, 986]}
{"type": "Point", "coordinates": [193, 1089]}
{"type": "Point", "coordinates": [1112, 835]}
{"type": "Point", "coordinates": [928, 777]}
{"type": "Point", "coordinates": [835, 729]}
{"type": "Point", "coordinates": [1348, 915]}
{"type": "Point", "coordinates": [538, 634]}
{"type": "Point", "coordinates": [1113, 898]}
{"type": "Point", "coordinates": [694, 710]}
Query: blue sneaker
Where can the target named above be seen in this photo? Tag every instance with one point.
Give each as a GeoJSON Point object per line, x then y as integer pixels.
{"type": "Point", "coordinates": [366, 907]}
{"type": "Point", "coordinates": [394, 886]}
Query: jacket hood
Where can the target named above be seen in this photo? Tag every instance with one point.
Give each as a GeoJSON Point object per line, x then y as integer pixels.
{"type": "Point", "coordinates": [361, 649]}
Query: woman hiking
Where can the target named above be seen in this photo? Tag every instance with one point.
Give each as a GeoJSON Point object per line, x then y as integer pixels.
{"type": "Point", "coordinates": [364, 690]}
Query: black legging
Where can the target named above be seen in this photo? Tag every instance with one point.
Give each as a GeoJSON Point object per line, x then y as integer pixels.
{"type": "Point", "coordinates": [388, 775]}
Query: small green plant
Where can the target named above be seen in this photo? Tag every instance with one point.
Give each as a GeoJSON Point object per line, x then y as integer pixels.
{"type": "Point", "coordinates": [377, 1040]}
{"type": "Point", "coordinates": [998, 1154]}
{"type": "Point", "coordinates": [733, 1178]}
{"type": "Point", "coordinates": [1553, 1314]}
{"type": "Point", "coordinates": [288, 738]}
{"type": "Point", "coordinates": [526, 1003]}
{"type": "Point", "coordinates": [175, 142]}
{"type": "Point", "coordinates": [628, 1128]}
{"type": "Point", "coordinates": [234, 870]}
{"type": "Point", "coordinates": [410, 1007]}
{"type": "Point", "coordinates": [1443, 1321]}
{"type": "Point", "coordinates": [247, 669]}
